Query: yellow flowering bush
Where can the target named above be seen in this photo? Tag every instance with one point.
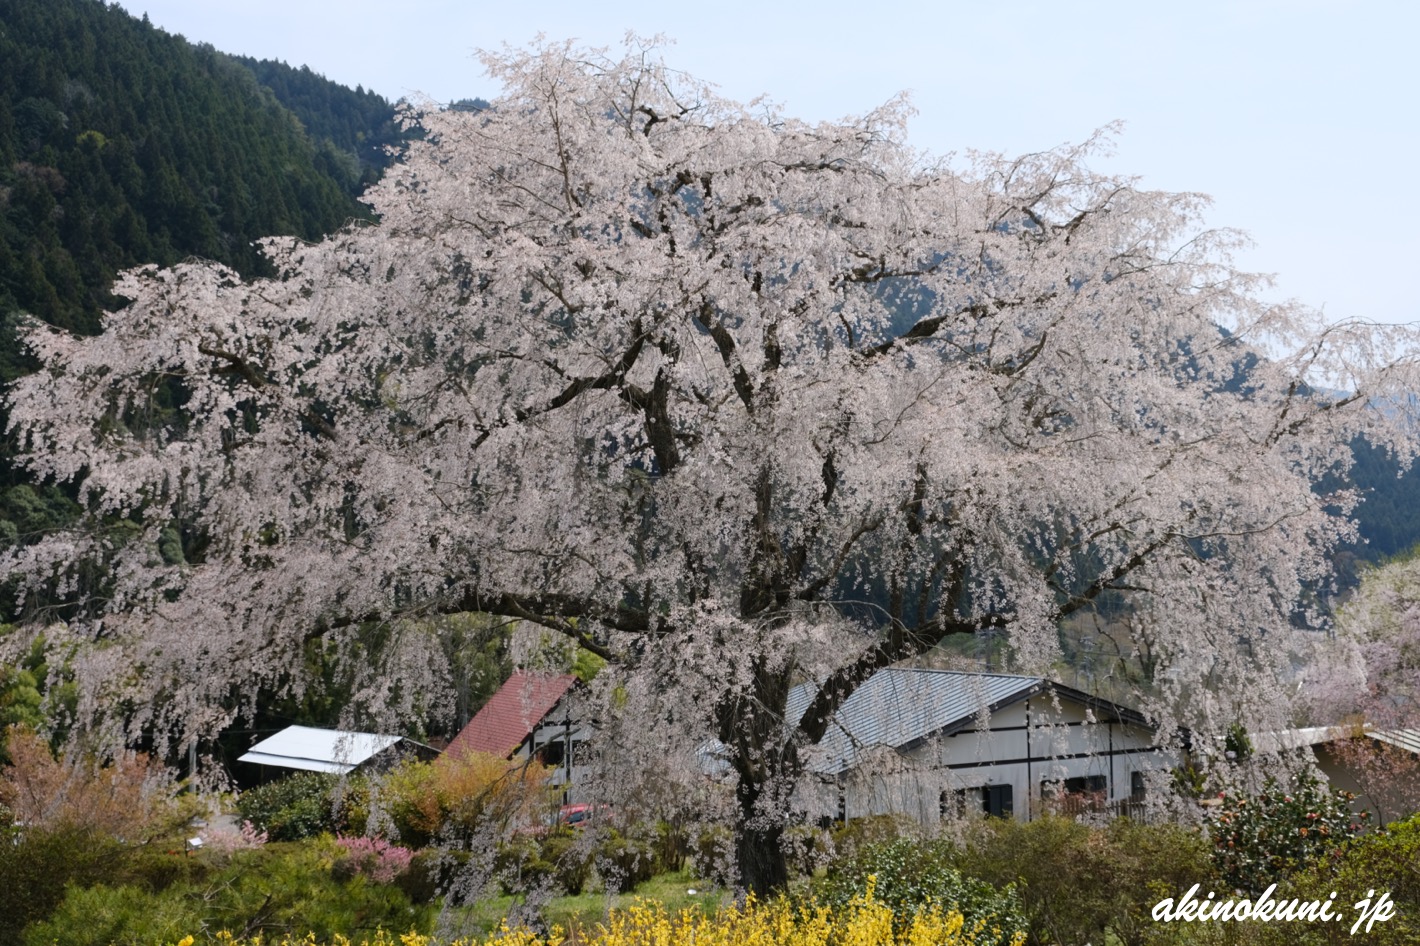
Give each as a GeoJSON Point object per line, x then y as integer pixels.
{"type": "Point", "coordinates": [461, 795]}
{"type": "Point", "coordinates": [863, 921]}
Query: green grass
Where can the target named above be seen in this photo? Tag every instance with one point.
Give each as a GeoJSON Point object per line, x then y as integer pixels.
{"type": "Point", "coordinates": [588, 909]}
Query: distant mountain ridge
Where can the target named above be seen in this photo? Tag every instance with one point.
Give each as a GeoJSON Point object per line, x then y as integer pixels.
{"type": "Point", "coordinates": [121, 144]}
{"type": "Point", "coordinates": [353, 130]}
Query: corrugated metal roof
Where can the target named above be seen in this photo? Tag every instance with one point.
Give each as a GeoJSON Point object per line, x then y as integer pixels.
{"type": "Point", "coordinates": [318, 750]}
{"type": "Point", "coordinates": [898, 706]}
{"type": "Point", "coordinates": [1407, 739]}
{"type": "Point", "coordinates": [1269, 742]}
{"type": "Point", "coordinates": [512, 714]}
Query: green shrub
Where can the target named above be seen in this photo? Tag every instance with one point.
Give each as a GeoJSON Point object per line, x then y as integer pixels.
{"type": "Point", "coordinates": [1385, 861]}
{"type": "Point", "coordinates": [713, 856]}
{"type": "Point", "coordinates": [624, 861]}
{"type": "Point", "coordinates": [1258, 840]}
{"type": "Point", "coordinates": [560, 859]}
{"type": "Point", "coordinates": [156, 869]}
{"type": "Point", "coordinates": [37, 863]}
{"type": "Point", "coordinates": [1151, 862]}
{"type": "Point", "coordinates": [278, 890]}
{"type": "Point", "coordinates": [298, 806]}
{"type": "Point", "coordinates": [854, 835]}
{"type": "Point", "coordinates": [672, 846]}
{"type": "Point", "coordinates": [1062, 869]}
{"type": "Point", "coordinates": [520, 865]}
{"type": "Point", "coordinates": [912, 875]}
{"type": "Point", "coordinates": [117, 916]}
{"type": "Point", "coordinates": [431, 874]}
{"type": "Point", "coordinates": [1082, 884]}
{"type": "Point", "coordinates": [571, 861]}
{"type": "Point", "coordinates": [349, 802]}
{"type": "Point", "coordinates": [805, 848]}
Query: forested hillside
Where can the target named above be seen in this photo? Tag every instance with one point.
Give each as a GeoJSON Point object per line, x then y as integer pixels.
{"type": "Point", "coordinates": [1390, 515]}
{"type": "Point", "coordinates": [121, 144]}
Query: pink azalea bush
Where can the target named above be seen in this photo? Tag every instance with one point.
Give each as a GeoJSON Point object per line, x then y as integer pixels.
{"type": "Point", "coordinates": [374, 858]}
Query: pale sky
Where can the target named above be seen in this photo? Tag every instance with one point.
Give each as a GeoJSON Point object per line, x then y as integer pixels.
{"type": "Point", "coordinates": [1299, 118]}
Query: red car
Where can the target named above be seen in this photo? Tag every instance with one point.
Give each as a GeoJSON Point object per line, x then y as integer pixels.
{"type": "Point", "coordinates": [579, 816]}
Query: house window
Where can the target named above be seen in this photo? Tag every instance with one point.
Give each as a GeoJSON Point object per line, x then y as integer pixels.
{"type": "Point", "coordinates": [1080, 785]}
{"type": "Point", "coordinates": [993, 800]}
{"type": "Point", "coordinates": [954, 804]}
{"type": "Point", "coordinates": [996, 800]}
{"type": "Point", "coordinates": [552, 753]}
{"type": "Point", "coordinates": [1136, 786]}
{"type": "Point", "coordinates": [1075, 796]}
{"type": "Point", "coordinates": [1084, 784]}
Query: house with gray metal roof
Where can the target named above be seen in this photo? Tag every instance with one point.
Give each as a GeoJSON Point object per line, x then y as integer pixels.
{"type": "Point", "coordinates": [939, 743]}
{"type": "Point", "coordinates": [333, 751]}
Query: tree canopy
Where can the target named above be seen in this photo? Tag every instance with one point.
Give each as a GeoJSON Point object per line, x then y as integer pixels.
{"type": "Point", "coordinates": [732, 400]}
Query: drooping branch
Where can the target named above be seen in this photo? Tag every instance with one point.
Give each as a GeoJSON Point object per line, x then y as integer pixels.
{"type": "Point", "coordinates": [834, 569]}
{"type": "Point", "coordinates": [926, 329]}
{"type": "Point", "coordinates": [1109, 579]}
{"type": "Point", "coordinates": [923, 329]}
{"type": "Point", "coordinates": [602, 382]}
{"type": "Point", "coordinates": [566, 614]}
{"type": "Point", "coordinates": [763, 586]}
{"type": "Point", "coordinates": [535, 610]}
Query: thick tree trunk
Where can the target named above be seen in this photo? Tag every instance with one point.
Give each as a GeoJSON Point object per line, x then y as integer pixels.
{"type": "Point", "coordinates": [766, 760]}
{"type": "Point", "coordinates": [759, 847]}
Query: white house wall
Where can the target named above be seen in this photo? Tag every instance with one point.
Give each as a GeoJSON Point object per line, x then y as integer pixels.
{"type": "Point", "coordinates": [1063, 743]}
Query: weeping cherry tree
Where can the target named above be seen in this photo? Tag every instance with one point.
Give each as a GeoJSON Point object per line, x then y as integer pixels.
{"type": "Point", "coordinates": [732, 400]}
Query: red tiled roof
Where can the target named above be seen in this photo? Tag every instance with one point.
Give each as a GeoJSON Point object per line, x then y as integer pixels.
{"type": "Point", "coordinates": [512, 714]}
